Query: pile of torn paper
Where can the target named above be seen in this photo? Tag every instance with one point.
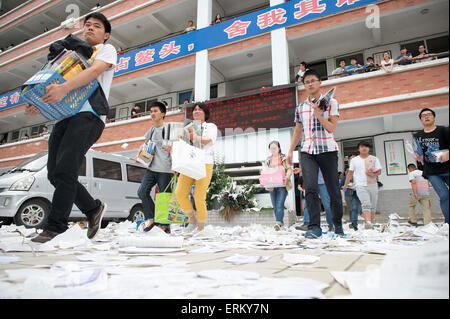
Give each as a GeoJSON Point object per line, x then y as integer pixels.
{"type": "Point", "coordinates": [124, 262]}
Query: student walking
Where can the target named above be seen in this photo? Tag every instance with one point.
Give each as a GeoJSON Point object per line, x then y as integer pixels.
{"type": "Point", "coordinates": [159, 171]}
{"type": "Point", "coordinates": [72, 137]}
{"type": "Point", "coordinates": [355, 203]}
{"type": "Point", "coordinates": [315, 126]}
{"type": "Point", "coordinates": [433, 140]}
{"type": "Point", "coordinates": [206, 139]}
{"type": "Point", "coordinates": [278, 194]}
{"type": "Point", "coordinates": [325, 199]}
{"type": "Point", "coordinates": [364, 169]}
{"type": "Point", "coordinates": [420, 194]}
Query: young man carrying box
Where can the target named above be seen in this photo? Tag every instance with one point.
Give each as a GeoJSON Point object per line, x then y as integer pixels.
{"type": "Point", "coordinates": [72, 137]}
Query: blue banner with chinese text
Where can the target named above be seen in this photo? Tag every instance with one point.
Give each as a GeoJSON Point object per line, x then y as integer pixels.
{"type": "Point", "coordinates": [284, 15]}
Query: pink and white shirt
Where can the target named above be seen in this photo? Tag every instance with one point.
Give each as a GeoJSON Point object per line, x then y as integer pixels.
{"type": "Point", "coordinates": [315, 138]}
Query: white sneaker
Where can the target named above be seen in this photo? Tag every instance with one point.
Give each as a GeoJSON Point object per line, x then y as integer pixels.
{"type": "Point", "coordinates": [368, 225]}
{"type": "Point", "coordinates": [190, 229]}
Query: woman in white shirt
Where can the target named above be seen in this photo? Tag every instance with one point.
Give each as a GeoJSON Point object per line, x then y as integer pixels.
{"type": "Point", "coordinates": [387, 64]}
{"type": "Point", "coordinates": [206, 139]}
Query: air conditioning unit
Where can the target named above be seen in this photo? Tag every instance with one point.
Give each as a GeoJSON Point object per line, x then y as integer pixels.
{"type": "Point", "coordinates": [69, 23]}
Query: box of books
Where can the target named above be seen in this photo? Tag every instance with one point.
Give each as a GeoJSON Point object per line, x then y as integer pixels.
{"type": "Point", "coordinates": [61, 69]}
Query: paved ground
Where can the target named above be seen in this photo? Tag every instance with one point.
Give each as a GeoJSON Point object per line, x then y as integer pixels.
{"type": "Point", "coordinates": [197, 262]}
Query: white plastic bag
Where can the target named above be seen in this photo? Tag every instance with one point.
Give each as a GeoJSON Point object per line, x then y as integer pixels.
{"type": "Point", "coordinates": [188, 160]}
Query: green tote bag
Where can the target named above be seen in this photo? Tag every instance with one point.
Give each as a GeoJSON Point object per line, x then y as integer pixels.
{"type": "Point", "coordinates": [167, 209]}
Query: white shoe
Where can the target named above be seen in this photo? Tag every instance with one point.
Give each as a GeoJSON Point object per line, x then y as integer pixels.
{"type": "Point", "coordinates": [277, 227]}
{"type": "Point", "coordinates": [190, 229]}
{"type": "Point", "coordinates": [368, 225]}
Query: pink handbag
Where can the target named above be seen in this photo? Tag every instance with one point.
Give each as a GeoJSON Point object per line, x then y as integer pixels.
{"type": "Point", "coordinates": [272, 177]}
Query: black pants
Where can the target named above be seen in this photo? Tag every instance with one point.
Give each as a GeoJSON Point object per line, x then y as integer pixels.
{"type": "Point", "coordinates": [328, 164]}
{"type": "Point", "coordinates": [149, 180]}
{"type": "Point", "coordinates": [69, 142]}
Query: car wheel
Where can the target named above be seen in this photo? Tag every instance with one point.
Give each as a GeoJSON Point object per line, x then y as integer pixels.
{"type": "Point", "coordinates": [136, 214]}
{"type": "Point", "coordinates": [32, 214]}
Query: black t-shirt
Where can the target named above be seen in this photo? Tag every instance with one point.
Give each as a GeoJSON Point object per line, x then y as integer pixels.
{"type": "Point", "coordinates": [430, 142]}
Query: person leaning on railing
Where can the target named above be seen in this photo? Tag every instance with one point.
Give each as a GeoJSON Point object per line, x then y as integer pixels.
{"type": "Point", "coordinates": [371, 66]}
{"type": "Point", "coordinates": [387, 64]}
{"type": "Point", "coordinates": [354, 67]}
{"type": "Point", "coordinates": [405, 58]}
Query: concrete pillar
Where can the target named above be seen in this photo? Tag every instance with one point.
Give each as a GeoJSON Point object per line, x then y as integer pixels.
{"type": "Point", "coordinates": [202, 64]}
{"type": "Point", "coordinates": [280, 53]}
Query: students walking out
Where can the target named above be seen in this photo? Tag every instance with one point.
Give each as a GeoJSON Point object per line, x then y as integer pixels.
{"type": "Point", "coordinates": [318, 149]}
{"type": "Point", "coordinates": [278, 194]}
{"type": "Point", "coordinates": [206, 139]}
{"type": "Point", "coordinates": [72, 137]}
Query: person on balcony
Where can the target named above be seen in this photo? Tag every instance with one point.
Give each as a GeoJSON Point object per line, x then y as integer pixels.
{"type": "Point", "coordinates": [423, 55]}
{"type": "Point", "coordinates": [190, 27]}
{"type": "Point", "coordinates": [354, 67]}
{"type": "Point", "coordinates": [387, 64]}
{"type": "Point", "coordinates": [218, 19]}
{"type": "Point", "coordinates": [405, 58]}
{"type": "Point", "coordinates": [44, 131]}
{"type": "Point", "coordinates": [340, 69]}
{"type": "Point", "coordinates": [136, 112]}
{"type": "Point", "coordinates": [301, 72]}
{"type": "Point", "coordinates": [370, 65]}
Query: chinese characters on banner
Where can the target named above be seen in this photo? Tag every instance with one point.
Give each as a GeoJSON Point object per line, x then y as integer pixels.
{"type": "Point", "coordinates": [252, 24]}
{"type": "Point", "coordinates": [246, 26]}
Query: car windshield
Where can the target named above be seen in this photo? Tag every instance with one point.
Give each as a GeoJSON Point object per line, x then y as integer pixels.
{"type": "Point", "coordinates": [33, 164]}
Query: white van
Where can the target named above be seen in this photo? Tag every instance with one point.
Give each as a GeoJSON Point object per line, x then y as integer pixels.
{"type": "Point", "coordinates": [26, 193]}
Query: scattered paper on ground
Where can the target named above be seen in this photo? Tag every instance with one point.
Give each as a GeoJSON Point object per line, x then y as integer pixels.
{"type": "Point", "coordinates": [123, 262]}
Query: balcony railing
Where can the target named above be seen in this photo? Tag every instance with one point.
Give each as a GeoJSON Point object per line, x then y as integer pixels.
{"type": "Point", "coordinates": [377, 67]}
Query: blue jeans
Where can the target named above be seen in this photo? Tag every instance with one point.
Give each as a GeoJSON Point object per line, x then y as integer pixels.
{"type": "Point", "coordinates": [305, 213]}
{"type": "Point", "coordinates": [326, 204]}
{"type": "Point", "coordinates": [278, 197]}
{"type": "Point", "coordinates": [356, 207]}
{"type": "Point", "coordinates": [149, 180]}
{"type": "Point", "coordinates": [323, 193]}
{"type": "Point", "coordinates": [441, 184]}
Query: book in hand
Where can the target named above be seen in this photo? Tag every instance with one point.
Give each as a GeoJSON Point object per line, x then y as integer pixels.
{"type": "Point", "coordinates": [324, 101]}
{"type": "Point", "coordinates": [414, 148]}
{"type": "Point", "coordinates": [435, 155]}
{"type": "Point", "coordinates": [146, 153]}
{"type": "Point", "coordinates": [196, 126]}
{"type": "Point", "coordinates": [173, 131]}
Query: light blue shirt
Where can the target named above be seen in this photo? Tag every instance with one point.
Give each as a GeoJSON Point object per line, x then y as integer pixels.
{"type": "Point", "coordinates": [87, 107]}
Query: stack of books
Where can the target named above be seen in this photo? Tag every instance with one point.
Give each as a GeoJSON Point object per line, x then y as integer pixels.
{"type": "Point", "coordinates": [61, 69]}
